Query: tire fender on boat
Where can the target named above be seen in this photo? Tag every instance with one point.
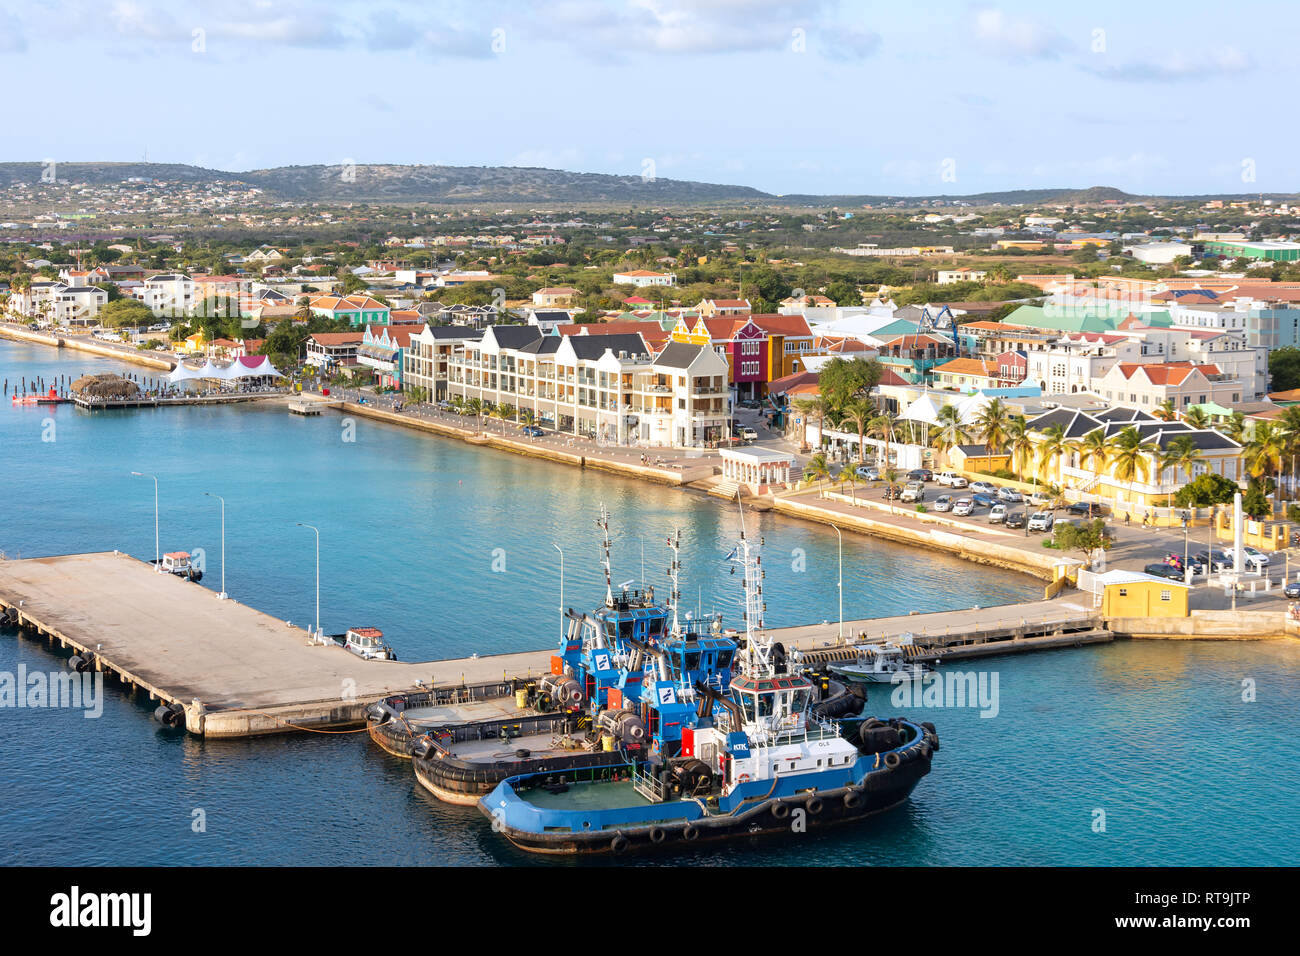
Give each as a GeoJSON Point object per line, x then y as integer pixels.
{"type": "Point", "coordinates": [814, 806]}
{"type": "Point", "coordinates": [852, 799]}
{"type": "Point", "coordinates": [780, 810]}
{"type": "Point", "coordinates": [619, 844]}
{"type": "Point", "coordinates": [892, 760]}
{"type": "Point", "coordinates": [658, 834]}
{"type": "Point", "coordinates": [690, 833]}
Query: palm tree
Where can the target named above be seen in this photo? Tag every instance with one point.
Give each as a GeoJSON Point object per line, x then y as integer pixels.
{"type": "Point", "coordinates": [1020, 444]}
{"type": "Point", "coordinates": [991, 423]}
{"type": "Point", "coordinates": [503, 413]}
{"type": "Point", "coordinates": [527, 416]}
{"type": "Point", "coordinates": [1129, 454]}
{"type": "Point", "coordinates": [1165, 410]}
{"type": "Point", "coordinates": [1234, 427]}
{"type": "Point", "coordinates": [882, 427]}
{"type": "Point", "coordinates": [1289, 422]}
{"type": "Point", "coordinates": [1094, 450]}
{"type": "Point", "coordinates": [807, 408]}
{"type": "Point", "coordinates": [1196, 417]}
{"type": "Point", "coordinates": [1265, 452]}
{"type": "Point", "coordinates": [475, 408]}
{"type": "Point", "coordinates": [817, 469]}
{"type": "Point", "coordinates": [948, 431]}
{"type": "Point", "coordinates": [1182, 453]}
{"type": "Point", "coordinates": [847, 477]}
{"type": "Point", "coordinates": [1053, 446]}
{"type": "Point", "coordinates": [858, 414]}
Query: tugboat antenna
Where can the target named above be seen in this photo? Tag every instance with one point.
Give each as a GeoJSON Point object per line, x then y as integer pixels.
{"type": "Point", "coordinates": [603, 524]}
{"type": "Point", "coordinates": [674, 569]}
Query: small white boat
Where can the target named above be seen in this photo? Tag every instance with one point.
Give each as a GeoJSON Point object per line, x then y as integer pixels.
{"type": "Point", "coordinates": [368, 643]}
{"type": "Point", "coordinates": [179, 564]}
{"type": "Point", "coordinates": [885, 663]}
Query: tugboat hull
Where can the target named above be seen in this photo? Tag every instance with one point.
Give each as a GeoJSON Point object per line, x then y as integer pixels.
{"type": "Point", "coordinates": [465, 782]}
{"type": "Point", "coordinates": [880, 791]}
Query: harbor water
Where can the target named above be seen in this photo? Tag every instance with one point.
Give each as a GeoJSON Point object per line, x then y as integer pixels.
{"type": "Point", "coordinates": [1134, 753]}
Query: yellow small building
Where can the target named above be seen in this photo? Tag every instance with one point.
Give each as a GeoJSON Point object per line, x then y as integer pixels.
{"type": "Point", "coordinates": [198, 342]}
{"type": "Point", "coordinates": [1133, 594]}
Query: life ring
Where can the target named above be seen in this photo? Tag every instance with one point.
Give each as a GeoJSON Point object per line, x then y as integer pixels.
{"type": "Point", "coordinates": [618, 844]}
{"type": "Point", "coordinates": [852, 799]}
{"type": "Point", "coordinates": [780, 810]}
{"type": "Point", "coordinates": [690, 833]}
{"type": "Point", "coordinates": [657, 835]}
{"type": "Point", "coordinates": [892, 760]}
{"type": "Point", "coordinates": [743, 778]}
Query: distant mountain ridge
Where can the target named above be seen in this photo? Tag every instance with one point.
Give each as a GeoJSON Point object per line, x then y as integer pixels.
{"type": "Point", "coordinates": [380, 182]}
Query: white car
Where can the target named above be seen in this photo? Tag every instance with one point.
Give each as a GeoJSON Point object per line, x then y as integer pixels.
{"type": "Point", "coordinates": [1249, 556]}
{"type": "Point", "coordinates": [1041, 521]}
{"type": "Point", "coordinates": [963, 507]}
{"type": "Point", "coordinates": [915, 491]}
{"type": "Point", "coordinates": [984, 486]}
{"type": "Point", "coordinates": [951, 479]}
{"type": "Point", "coordinates": [1010, 495]}
{"type": "Point", "coordinates": [997, 514]}
{"type": "Point", "coordinates": [943, 503]}
{"type": "Point", "coordinates": [748, 434]}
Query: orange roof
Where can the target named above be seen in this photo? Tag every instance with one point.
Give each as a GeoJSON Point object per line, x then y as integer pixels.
{"type": "Point", "coordinates": [337, 338]}
{"type": "Point", "coordinates": [778, 324]}
{"type": "Point", "coordinates": [642, 272]}
{"type": "Point", "coordinates": [969, 366]}
{"type": "Point", "coordinates": [1165, 373]}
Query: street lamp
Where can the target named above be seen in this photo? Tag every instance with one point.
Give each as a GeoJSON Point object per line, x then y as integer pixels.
{"type": "Point", "coordinates": [839, 584]}
{"type": "Point", "coordinates": [223, 595]}
{"type": "Point", "coordinates": [157, 552]}
{"type": "Point", "coordinates": [561, 550]}
{"type": "Point", "coordinates": [317, 530]}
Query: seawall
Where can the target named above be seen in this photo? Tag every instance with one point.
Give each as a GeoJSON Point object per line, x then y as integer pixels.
{"type": "Point", "coordinates": [84, 345]}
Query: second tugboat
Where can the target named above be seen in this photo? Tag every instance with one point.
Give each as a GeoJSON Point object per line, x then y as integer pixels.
{"type": "Point", "coordinates": [753, 753]}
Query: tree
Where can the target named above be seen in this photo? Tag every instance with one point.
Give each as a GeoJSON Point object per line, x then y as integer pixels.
{"type": "Point", "coordinates": [1255, 501]}
{"type": "Point", "coordinates": [857, 414]}
{"type": "Point", "coordinates": [817, 469]}
{"type": "Point", "coordinates": [991, 423]}
{"type": "Point", "coordinates": [1086, 537]}
{"type": "Point", "coordinates": [1234, 427]}
{"type": "Point", "coordinates": [1206, 490]}
{"type": "Point", "coordinates": [842, 381]}
{"type": "Point", "coordinates": [1051, 448]}
{"type": "Point", "coordinates": [1284, 368]}
{"type": "Point", "coordinates": [1265, 451]}
{"type": "Point", "coordinates": [1182, 453]}
{"type": "Point", "coordinates": [1094, 450]}
{"type": "Point", "coordinates": [1165, 410]}
{"type": "Point", "coordinates": [948, 431]}
{"type": "Point", "coordinates": [1196, 417]}
{"type": "Point", "coordinates": [809, 408]}
{"type": "Point", "coordinates": [882, 427]}
{"type": "Point", "coordinates": [1129, 453]}
{"type": "Point", "coordinates": [125, 313]}
{"type": "Point", "coordinates": [844, 293]}
{"type": "Point", "coordinates": [1020, 444]}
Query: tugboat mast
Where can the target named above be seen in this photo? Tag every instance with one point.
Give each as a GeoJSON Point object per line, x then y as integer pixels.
{"type": "Point", "coordinates": [603, 524]}
{"type": "Point", "coordinates": [758, 647]}
{"type": "Point", "coordinates": [674, 570]}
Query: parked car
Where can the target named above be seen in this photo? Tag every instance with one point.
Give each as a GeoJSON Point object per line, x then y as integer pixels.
{"type": "Point", "coordinates": [1292, 589]}
{"type": "Point", "coordinates": [1164, 571]}
{"type": "Point", "coordinates": [983, 500]}
{"type": "Point", "coordinates": [920, 474]}
{"type": "Point", "coordinates": [1014, 519]}
{"type": "Point", "coordinates": [533, 431]}
{"type": "Point", "coordinates": [915, 491]}
{"type": "Point", "coordinates": [1010, 495]}
{"type": "Point", "coordinates": [951, 479]}
{"type": "Point", "coordinates": [1249, 555]}
{"type": "Point", "coordinates": [747, 403]}
{"type": "Point", "coordinates": [943, 503]}
{"type": "Point", "coordinates": [868, 472]}
{"type": "Point", "coordinates": [963, 507]}
{"type": "Point", "coordinates": [997, 514]}
{"type": "Point", "coordinates": [893, 492]}
{"type": "Point", "coordinates": [984, 487]}
{"type": "Point", "coordinates": [747, 433]}
{"type": "Point", "coordinates": [1041, 521]}
{"type": "Point", "coordinates": [1040, 499]}
{"type": "Point", "coordinates": [1088, 509]}
{"type": "Point", "coordinates": [1202, 559]}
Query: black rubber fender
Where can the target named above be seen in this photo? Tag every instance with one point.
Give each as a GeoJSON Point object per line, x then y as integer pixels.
{"type": "Point", "coordinates": [690, 833]}
{"type": "Point", "coordinates": [619, 844]}
{"type": "Point", "coordinates": [658, 835]}
{"type": "Point", "coordinates": [814, 806]}
{"type": "Point", "coordinates": [780, 810]}
{"type": "Point", "coordinates": [852, 799]}
{"type": "Point", "coordinates": [893, 760]}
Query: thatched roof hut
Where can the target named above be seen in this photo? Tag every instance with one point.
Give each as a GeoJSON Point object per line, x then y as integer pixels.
{"type": "Point", "coordinates": [105, 386]}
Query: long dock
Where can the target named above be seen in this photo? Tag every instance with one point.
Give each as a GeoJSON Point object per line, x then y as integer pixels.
{"type": "Point", "coordinates": [237, 672]}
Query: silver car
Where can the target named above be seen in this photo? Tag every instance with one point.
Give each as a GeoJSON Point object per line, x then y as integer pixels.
{"type": "Point", "coordinates": [943, 503]}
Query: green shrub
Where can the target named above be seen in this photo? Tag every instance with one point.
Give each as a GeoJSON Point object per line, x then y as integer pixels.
{"type": "Point", "coordinates": [922, 508]}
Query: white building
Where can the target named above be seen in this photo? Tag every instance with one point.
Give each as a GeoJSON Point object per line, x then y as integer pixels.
{"type": "Point", "coordinates": [1157, 253]}
{"type": "Point", "coordinates": [644, 277]}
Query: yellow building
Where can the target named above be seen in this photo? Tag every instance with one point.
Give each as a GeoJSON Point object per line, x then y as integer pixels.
{"type": "Point", "coordinates": [198, 342]}
{"type": "Point", "coordinates": [1132, 594]}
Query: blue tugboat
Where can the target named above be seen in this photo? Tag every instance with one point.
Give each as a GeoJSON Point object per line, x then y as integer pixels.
{"type": "Point", "coordinates": [736, 748]}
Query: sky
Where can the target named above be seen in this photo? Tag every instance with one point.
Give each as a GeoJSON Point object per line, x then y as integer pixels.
{"type": "Point", "coordinates": [819, 96]}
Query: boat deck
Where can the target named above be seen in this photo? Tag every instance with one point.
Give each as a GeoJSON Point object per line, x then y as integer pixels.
{"type": "Point", "coordinates": [600, 795]}
{"type": "Point", "coordinates": [493, 751]}
{"type": "Point", "coordinates": [470, 712]}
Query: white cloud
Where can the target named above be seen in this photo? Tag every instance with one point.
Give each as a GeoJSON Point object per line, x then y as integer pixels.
{"type": "Point", "coordinates": [1180, 66]}
{"type": "Point", "coordinates": [1000, 34]}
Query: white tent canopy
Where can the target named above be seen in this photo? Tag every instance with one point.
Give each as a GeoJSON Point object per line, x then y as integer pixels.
{"type": "Point", "coordinates": [254, 366]}
{"type": "Point", "coordinates": [921, 410]}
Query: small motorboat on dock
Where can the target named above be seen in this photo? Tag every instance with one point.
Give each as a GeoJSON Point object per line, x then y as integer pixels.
{"type": "Point", "coordinates": [365, 642]}
{"type": "Point", "coordinates": [887, 662]}
{"type": "Point", "coordinates": [179, 564]}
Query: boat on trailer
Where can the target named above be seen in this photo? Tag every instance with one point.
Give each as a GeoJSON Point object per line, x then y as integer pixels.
{"type": "Point", "coordinates": [728, 758]}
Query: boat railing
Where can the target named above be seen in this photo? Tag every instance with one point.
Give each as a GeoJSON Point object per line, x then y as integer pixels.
{"type": "Point", "coordinates": [648, 785]}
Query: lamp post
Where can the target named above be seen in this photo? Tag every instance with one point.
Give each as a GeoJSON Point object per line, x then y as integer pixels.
{"type": "Point", "coordinates": [561, 550]}
{"type": "Point", "coordinates": [317, 530]}
{"type": "Point", "coordinates": [839, 584]}
{"type": "Point", "coordinates": [223, 594]}
{"type": "Point", "coordinates": [157, 552]}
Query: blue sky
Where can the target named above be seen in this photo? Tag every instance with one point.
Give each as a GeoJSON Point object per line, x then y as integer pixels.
{"type": "Point", "coordinates": [821, 96]}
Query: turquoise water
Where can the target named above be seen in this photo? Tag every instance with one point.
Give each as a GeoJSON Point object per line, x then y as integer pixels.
{"type": "Point", "coordinates": [412, 527]}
